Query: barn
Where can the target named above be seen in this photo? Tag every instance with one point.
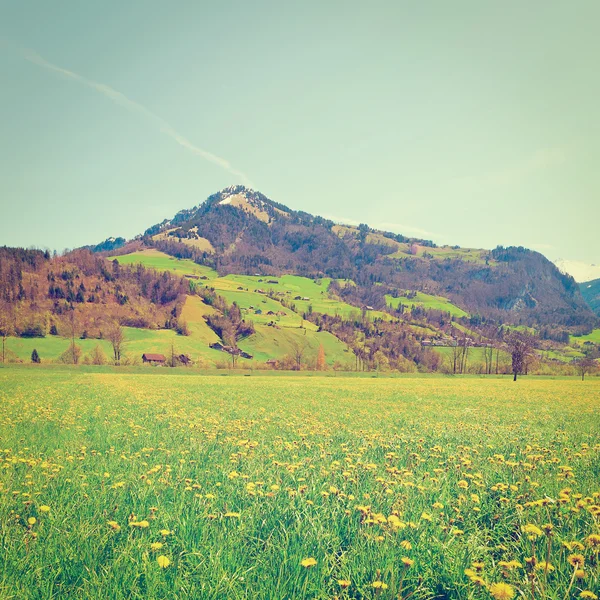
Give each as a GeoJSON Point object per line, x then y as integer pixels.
{"type": "Point", "coordinates": [154, 359]}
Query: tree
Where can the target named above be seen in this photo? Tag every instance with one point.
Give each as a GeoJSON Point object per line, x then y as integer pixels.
{"type": "Point", "coordinates": [585, 366]}
{"type": "Point", "coordinates": [456, 354]}
{"type": "Point", "coordinates": [321, 366]}
{"type": "Point", "coordinates": [520, 346]}
{"type": "Point", "coordinates": [298, 350]}
{"type": "Point", "coordinates": [98, 357]}
{"type": "Point", "coordinates": [35, 357]}
{"type": "Point", "coordinates": [6, 327]}
{"type": "Point", "coordinates": [116, 337]}
{"type": "Point", "coordinates": [72, 318]}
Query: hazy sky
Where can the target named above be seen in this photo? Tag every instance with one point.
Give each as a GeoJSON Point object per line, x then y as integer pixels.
{"type": "Point", "coordinates": [469, 122]}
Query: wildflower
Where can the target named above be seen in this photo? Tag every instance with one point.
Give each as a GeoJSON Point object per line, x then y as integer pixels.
{"type": "Point", "coordinates": [163, 561]}
{"type": "Point", "coordinates": [308, 562]}
{"type": "Point", "coordinates": [44, 508]}
{"type": "Point", "coordinates": [406, 545]}
{"type": "Point", "coordinates": [114, 525]}
{"type": "Point", "coordinates": [544, 566]}
{"type": "Point", "coordinates": [502, 591]}
{"type": "Point", "coordinates": [344, 583]}
{"type": "Point", "coordinates": [463, 485]}
{"type": "Point", "coordinates": [32, 520]}
{"type": "Point", "coordinates": [165, 532]}
{"type": "Point", "coordinates": [588, 595]}
{"type": "Point", "coordinates": [232, 514]}
{"type": "Point", "coordinates": [407, 562]}
{"type": "Point", "coordinates": [532, 530]}
{"type": "Point", "coordinates": [140, 524]}
{"type": "Point", "coordinates": [156, 546]}
{"type": "Point", "coordinates": [379, 585]}
{"type": "Point", "coordinates": [593, 540]}
{"type": "Point", "coordinates": [576, 560]}
{"type": "Point", "coordinates": [580, 574]}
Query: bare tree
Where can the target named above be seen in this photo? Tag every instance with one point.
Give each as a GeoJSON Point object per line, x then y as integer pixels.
{"type": "Point", "coordinates": [521, 347]}
{"type": "Point", "coordinates": [464, 354]}
{"type": "Point", "coordinates": [488, 354]}
{"type": "Point", "coordinates": [584, 366]}
{"type": "Point", "coordinates": [116, 337]}
{"type": "Point", "coordinates": [6, 327]}
{"type": "Point", "coordinates": [456, 353]}
{"type": "Point", "coordinates": [72, 317]}
{"type": "Point", "coordinates": [298, 350]}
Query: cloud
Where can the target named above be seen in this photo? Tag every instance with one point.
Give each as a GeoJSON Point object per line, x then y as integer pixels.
{"type": "Point", "coordinates": [122, 100]}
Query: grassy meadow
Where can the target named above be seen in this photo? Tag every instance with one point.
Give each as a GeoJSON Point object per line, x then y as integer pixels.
{"type": "Point", "coordinates": [171, 485]}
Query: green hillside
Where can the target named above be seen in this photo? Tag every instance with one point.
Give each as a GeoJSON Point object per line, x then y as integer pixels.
{"type": "Point", "coordinates": [153, 259]}
{"type": "Point", "coordinates": [427, 301]}
{"type": "Point", "coordinates": [269, 342]}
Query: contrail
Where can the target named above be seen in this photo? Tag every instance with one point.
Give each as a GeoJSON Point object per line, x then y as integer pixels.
{"type": "Point", "coordinates": [124, 101]}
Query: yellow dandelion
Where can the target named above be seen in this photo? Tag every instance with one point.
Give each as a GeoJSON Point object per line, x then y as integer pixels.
{"type": "Point", "coordinates": [502, 591]}
{"type": "Point", "coordinates": [588, 595]}
{"type": "Point", "coordinates": [593, 540]}
{"type": "Point", "coordinates": [235, 515]}
{"type": "Point", "coordinates": [156, 546]}
{"type": "Point", "coordinates": [576, 560]}
{"type": "Point", "coordinates": [114, 525]}
{"type": "Point", "coordinates": [307, 563]}
{"type": "Point", "coordinates": [44, 508]}
{"type": "Point", "coordinates": [407, 562]}
{"type": "Point", "coordinates": [379, 585]}
{"type": "Point", "coordinates": [163, 561]}
{"type": "Point", "coordinates": [532, 530]}
{"type": "Point", "coordinates": [344, 583]}
{"type": "Point", "coordinates": [32, 521]}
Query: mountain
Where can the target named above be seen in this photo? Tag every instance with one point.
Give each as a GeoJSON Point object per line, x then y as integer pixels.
{"type": "Point", "coordinates": [239, 230]}
{"type": "Point", "coordinates": [590, 290]}
{"type": "Point", "coordinates": [108, 245]}
{"type": "Point", "coordinates": [579, 270]}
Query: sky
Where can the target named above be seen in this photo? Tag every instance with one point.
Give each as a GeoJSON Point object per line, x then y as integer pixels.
{"type": "Point", "coordinates": [465, 122]}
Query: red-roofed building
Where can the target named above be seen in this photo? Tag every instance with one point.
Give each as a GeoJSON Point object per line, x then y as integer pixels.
{"type": "Point", "coordinates": [154, 359]}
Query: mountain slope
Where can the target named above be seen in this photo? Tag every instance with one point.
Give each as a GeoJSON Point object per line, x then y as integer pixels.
{"type": "Point", "coordinates": [250, 234]}
{"type": "Point", "coordinates": [590, 290]}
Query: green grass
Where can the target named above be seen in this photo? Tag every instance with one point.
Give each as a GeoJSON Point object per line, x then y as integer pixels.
{"type": "Point", "coordinates": [269, 342]}
{"type": "Point", "coordinates": [428, 302]}
{"type": "Point", "coordinates": [154, 259]}
{"type": "Point", "coordinates": [242, 478]}
{"type": "Point", "coordinates": [593, 337]}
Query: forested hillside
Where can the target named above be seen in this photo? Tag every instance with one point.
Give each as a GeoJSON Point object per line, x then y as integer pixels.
{"type": "Point", "coordinates": [239, 230]}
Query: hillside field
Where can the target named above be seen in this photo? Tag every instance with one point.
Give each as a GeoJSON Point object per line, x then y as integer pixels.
{"type": "Point", "coordinates": [172, 485]}
{"type": "Point", "coordinates": [429, 302]}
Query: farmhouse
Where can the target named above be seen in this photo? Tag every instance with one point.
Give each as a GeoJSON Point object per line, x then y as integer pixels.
{"type": "Point", "coordinates": [154, 359]}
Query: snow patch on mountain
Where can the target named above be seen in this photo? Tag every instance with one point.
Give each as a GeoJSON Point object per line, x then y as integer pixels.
{"type": "Point", "coordinates": [579, 270]}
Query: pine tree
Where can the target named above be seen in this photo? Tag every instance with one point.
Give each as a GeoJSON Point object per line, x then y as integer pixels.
{"type": "Point", "coordinates": [35, 357]}
{"type": "Point", "coordinates": [321, 366]}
